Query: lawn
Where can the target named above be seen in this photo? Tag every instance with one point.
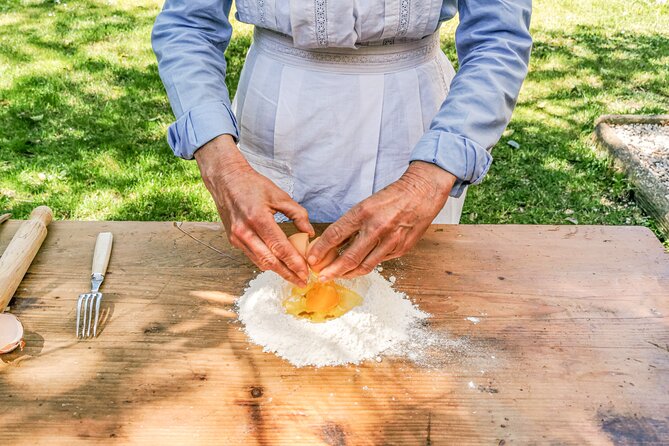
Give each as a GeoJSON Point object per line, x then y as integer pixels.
{"type": "Point", "coordinates": [83, 114]}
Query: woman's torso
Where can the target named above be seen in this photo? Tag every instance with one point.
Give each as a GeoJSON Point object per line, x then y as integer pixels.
{"type": "Point", "coordinates": [334, 95]}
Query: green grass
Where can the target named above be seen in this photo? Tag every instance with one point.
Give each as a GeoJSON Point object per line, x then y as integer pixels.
{"type": "Point", "coordinates": [83, 114]}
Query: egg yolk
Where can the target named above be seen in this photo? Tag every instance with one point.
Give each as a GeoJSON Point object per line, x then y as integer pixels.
{"type": "Point", "coordinates": [321, 302]}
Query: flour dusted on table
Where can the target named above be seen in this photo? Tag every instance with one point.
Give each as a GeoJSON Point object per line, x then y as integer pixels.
{"type": "Point", "coordinates": [386, 321]}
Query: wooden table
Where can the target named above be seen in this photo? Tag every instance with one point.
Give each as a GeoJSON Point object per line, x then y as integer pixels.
{"type": "Point", "coordinates": [572, 346]}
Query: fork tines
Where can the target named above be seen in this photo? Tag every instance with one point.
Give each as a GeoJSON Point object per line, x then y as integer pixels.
{"type": "Point", "coordinates": [85, 314]}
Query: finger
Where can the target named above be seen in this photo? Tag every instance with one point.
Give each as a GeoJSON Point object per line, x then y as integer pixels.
{"type": "Point", "coordinates": [263, 257]}
{"type": "Point", "coordinates": [378, 255]}
{"type": "Point", "coordinates": [334, 236]}
{"type": "Point", "coordinates": [351, 258]}
{"type": "Point", "coordinates": [245, 239]}
{"type": "Point", "coordinates": [298, 214]}
{"type": "Point", "coordinates": [273, 238]}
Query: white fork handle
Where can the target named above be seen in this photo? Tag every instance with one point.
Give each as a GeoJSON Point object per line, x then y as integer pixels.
{"type": "Point", "coordinates": [103, 247]}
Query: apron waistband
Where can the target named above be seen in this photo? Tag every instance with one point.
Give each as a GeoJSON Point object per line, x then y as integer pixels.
{"type": "Point", "coordinates": [394, 56]}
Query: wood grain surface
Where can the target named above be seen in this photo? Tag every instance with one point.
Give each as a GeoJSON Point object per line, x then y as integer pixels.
{"type": "Point", "coordinates": [572, 346]}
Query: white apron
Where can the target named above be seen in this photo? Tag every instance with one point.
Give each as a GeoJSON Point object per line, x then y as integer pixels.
{"type": "Point", "coordinates": [332, 126]}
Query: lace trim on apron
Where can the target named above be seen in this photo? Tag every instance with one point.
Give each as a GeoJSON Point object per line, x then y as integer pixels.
{"type": "Point", "coordinates": [389, 57]}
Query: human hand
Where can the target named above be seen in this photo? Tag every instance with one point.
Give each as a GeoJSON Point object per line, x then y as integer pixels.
{"type": "Point", "coordinates": [387, 224]}
{"type": "Point", "coordinates": [247, 202]}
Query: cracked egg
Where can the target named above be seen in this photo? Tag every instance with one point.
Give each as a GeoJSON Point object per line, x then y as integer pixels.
{"type": "Point", "coordinates": [318, 302]}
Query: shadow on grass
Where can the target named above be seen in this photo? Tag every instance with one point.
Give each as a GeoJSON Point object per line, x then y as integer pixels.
{"type": "Point", "coordinates": [175, 205]}
{"type": "Point", "coordinates": [555, 176]}
{"type": "Point", "coordinates": [97, 122]}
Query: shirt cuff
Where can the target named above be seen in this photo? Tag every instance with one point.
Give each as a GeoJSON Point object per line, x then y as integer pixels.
{"type": "Point", "coordinates": [200, 125]}
{"type": "Point", "coordinates": [462, 157]}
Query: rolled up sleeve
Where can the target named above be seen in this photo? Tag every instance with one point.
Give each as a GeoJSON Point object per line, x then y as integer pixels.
{"type": "Point", "coordinates": [189, 39]}
{"type": "Point", "coordinates": [493, 44]}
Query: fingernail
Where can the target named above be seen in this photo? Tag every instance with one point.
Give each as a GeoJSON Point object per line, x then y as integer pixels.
{"type": "Point", "coordinates": [322, 279]}
{"type": "Point", "coordinates": [312, 260]}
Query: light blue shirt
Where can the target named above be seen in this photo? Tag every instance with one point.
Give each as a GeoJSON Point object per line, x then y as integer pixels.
{"type": "Point", "coordinates": [493, 46]}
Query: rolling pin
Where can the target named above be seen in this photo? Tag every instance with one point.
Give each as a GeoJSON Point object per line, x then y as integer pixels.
{"type": "Point", "coordinates": [21, 251]}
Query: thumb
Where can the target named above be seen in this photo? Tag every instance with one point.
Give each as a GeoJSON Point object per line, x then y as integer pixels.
{"type": "Point", "coordinates": [298, 214]}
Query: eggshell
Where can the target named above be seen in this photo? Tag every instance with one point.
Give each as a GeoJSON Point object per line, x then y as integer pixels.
{"type": "Point", "coordinates": [11, 332]}
{"type": "Point", "coordinates": [300, 241]}
{"type": "Point", "coordinates": [329, 257]}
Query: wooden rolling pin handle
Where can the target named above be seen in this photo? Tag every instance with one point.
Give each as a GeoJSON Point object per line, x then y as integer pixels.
{"type": "Point", "coordinates": [103, 247]}
{"type": "Point", "coordinates": [21, 251]}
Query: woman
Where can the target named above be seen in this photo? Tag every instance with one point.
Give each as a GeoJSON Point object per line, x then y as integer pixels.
{"type": "Point", "coordinates": [346, 111]}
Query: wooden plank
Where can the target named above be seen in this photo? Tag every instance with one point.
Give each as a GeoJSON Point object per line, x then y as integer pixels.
{"type": "Point", "coordinates": [572, 345]}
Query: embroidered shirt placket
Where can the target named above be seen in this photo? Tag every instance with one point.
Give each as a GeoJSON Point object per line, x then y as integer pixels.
{"type": "Point", "coordinates": [403, 25]}
{"type": "Point", "coordinates": [321, 18]}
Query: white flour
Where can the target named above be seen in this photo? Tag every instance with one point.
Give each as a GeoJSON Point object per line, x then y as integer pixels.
{"type": "Point", "coordinates": [386, 321]}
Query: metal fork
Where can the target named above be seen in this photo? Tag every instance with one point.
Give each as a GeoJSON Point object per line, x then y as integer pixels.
{"type": "Point", "coordinates": [88, 301]}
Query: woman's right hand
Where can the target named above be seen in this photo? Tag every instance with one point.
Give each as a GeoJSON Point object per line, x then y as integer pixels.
{"type": "Point", "coordinates": [247, 202]}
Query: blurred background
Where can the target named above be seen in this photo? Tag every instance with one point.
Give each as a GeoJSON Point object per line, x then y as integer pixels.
{"type": "Point", "coordinates": [83, 114]}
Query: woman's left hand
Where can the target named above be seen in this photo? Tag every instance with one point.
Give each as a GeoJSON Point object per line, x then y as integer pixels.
{"type": "Point", "coordinates": [385, 225]}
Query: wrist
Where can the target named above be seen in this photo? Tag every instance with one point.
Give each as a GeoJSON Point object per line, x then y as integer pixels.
{"type": "Point", "coordinates": [219, 157]}
{"type": "Point", "coordinates": [222, 147]}
{"type": "Point", "coordinates": [437, 180]}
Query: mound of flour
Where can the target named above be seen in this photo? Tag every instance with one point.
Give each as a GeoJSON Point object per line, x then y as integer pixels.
{"type": "Point", "coordinates": [386, 321]}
